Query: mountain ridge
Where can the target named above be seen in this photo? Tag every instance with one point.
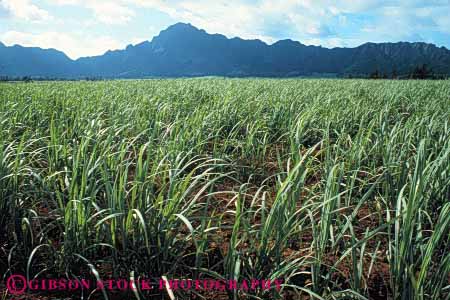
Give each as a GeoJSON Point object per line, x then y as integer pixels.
{"type": "Point", "coordinates": [185, 50]}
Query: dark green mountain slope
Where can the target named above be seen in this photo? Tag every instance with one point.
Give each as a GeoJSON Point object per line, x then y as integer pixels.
{"type": "Point", "coordinates": [183, 50]}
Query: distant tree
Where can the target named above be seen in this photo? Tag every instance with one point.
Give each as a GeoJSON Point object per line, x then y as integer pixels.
{"type": "Point", "coordinates": [394, 74]}
{"type": "Point", "coordinates": [375, 74]}
{"type": "Point", "coordinates": [93, 78]}
{"type": "Point", "coordinates": [422, 72]}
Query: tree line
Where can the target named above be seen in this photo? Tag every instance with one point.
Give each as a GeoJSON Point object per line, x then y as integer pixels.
{"type": "Point", "coordinates": [30, 78]}
{"type": "Point", "coordinates": [419, 72]}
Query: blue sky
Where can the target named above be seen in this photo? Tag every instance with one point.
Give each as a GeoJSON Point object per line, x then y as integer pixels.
{"type": "Point", "coordinates": [91, 27]}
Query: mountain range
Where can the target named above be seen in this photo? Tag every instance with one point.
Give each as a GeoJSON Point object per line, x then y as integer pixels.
{"type": "Point", "coordinates": [184, 50]}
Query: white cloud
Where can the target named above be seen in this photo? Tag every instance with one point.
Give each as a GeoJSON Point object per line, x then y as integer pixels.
{"type": "Point", "coordinates": [411, 21]}
{"type": "Point", "coordinates": [23, 9]}
{"type": "Point", "coordinates": [65, 2]}
{"type": "Point", "coordinates": [309, 20]}
{"type": "Point", "coordinates": [443, 21]}
{"type": "Point", "coordinates": [107, 12]}
{"type": "Point", "coordinates": [111, 13]}
{"type": "Point", "coordinates": [237, 18]}
{"type": "Point", "coordinates": [73, 45]}
{"type": "Point", "coordinates": [321, 21]}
